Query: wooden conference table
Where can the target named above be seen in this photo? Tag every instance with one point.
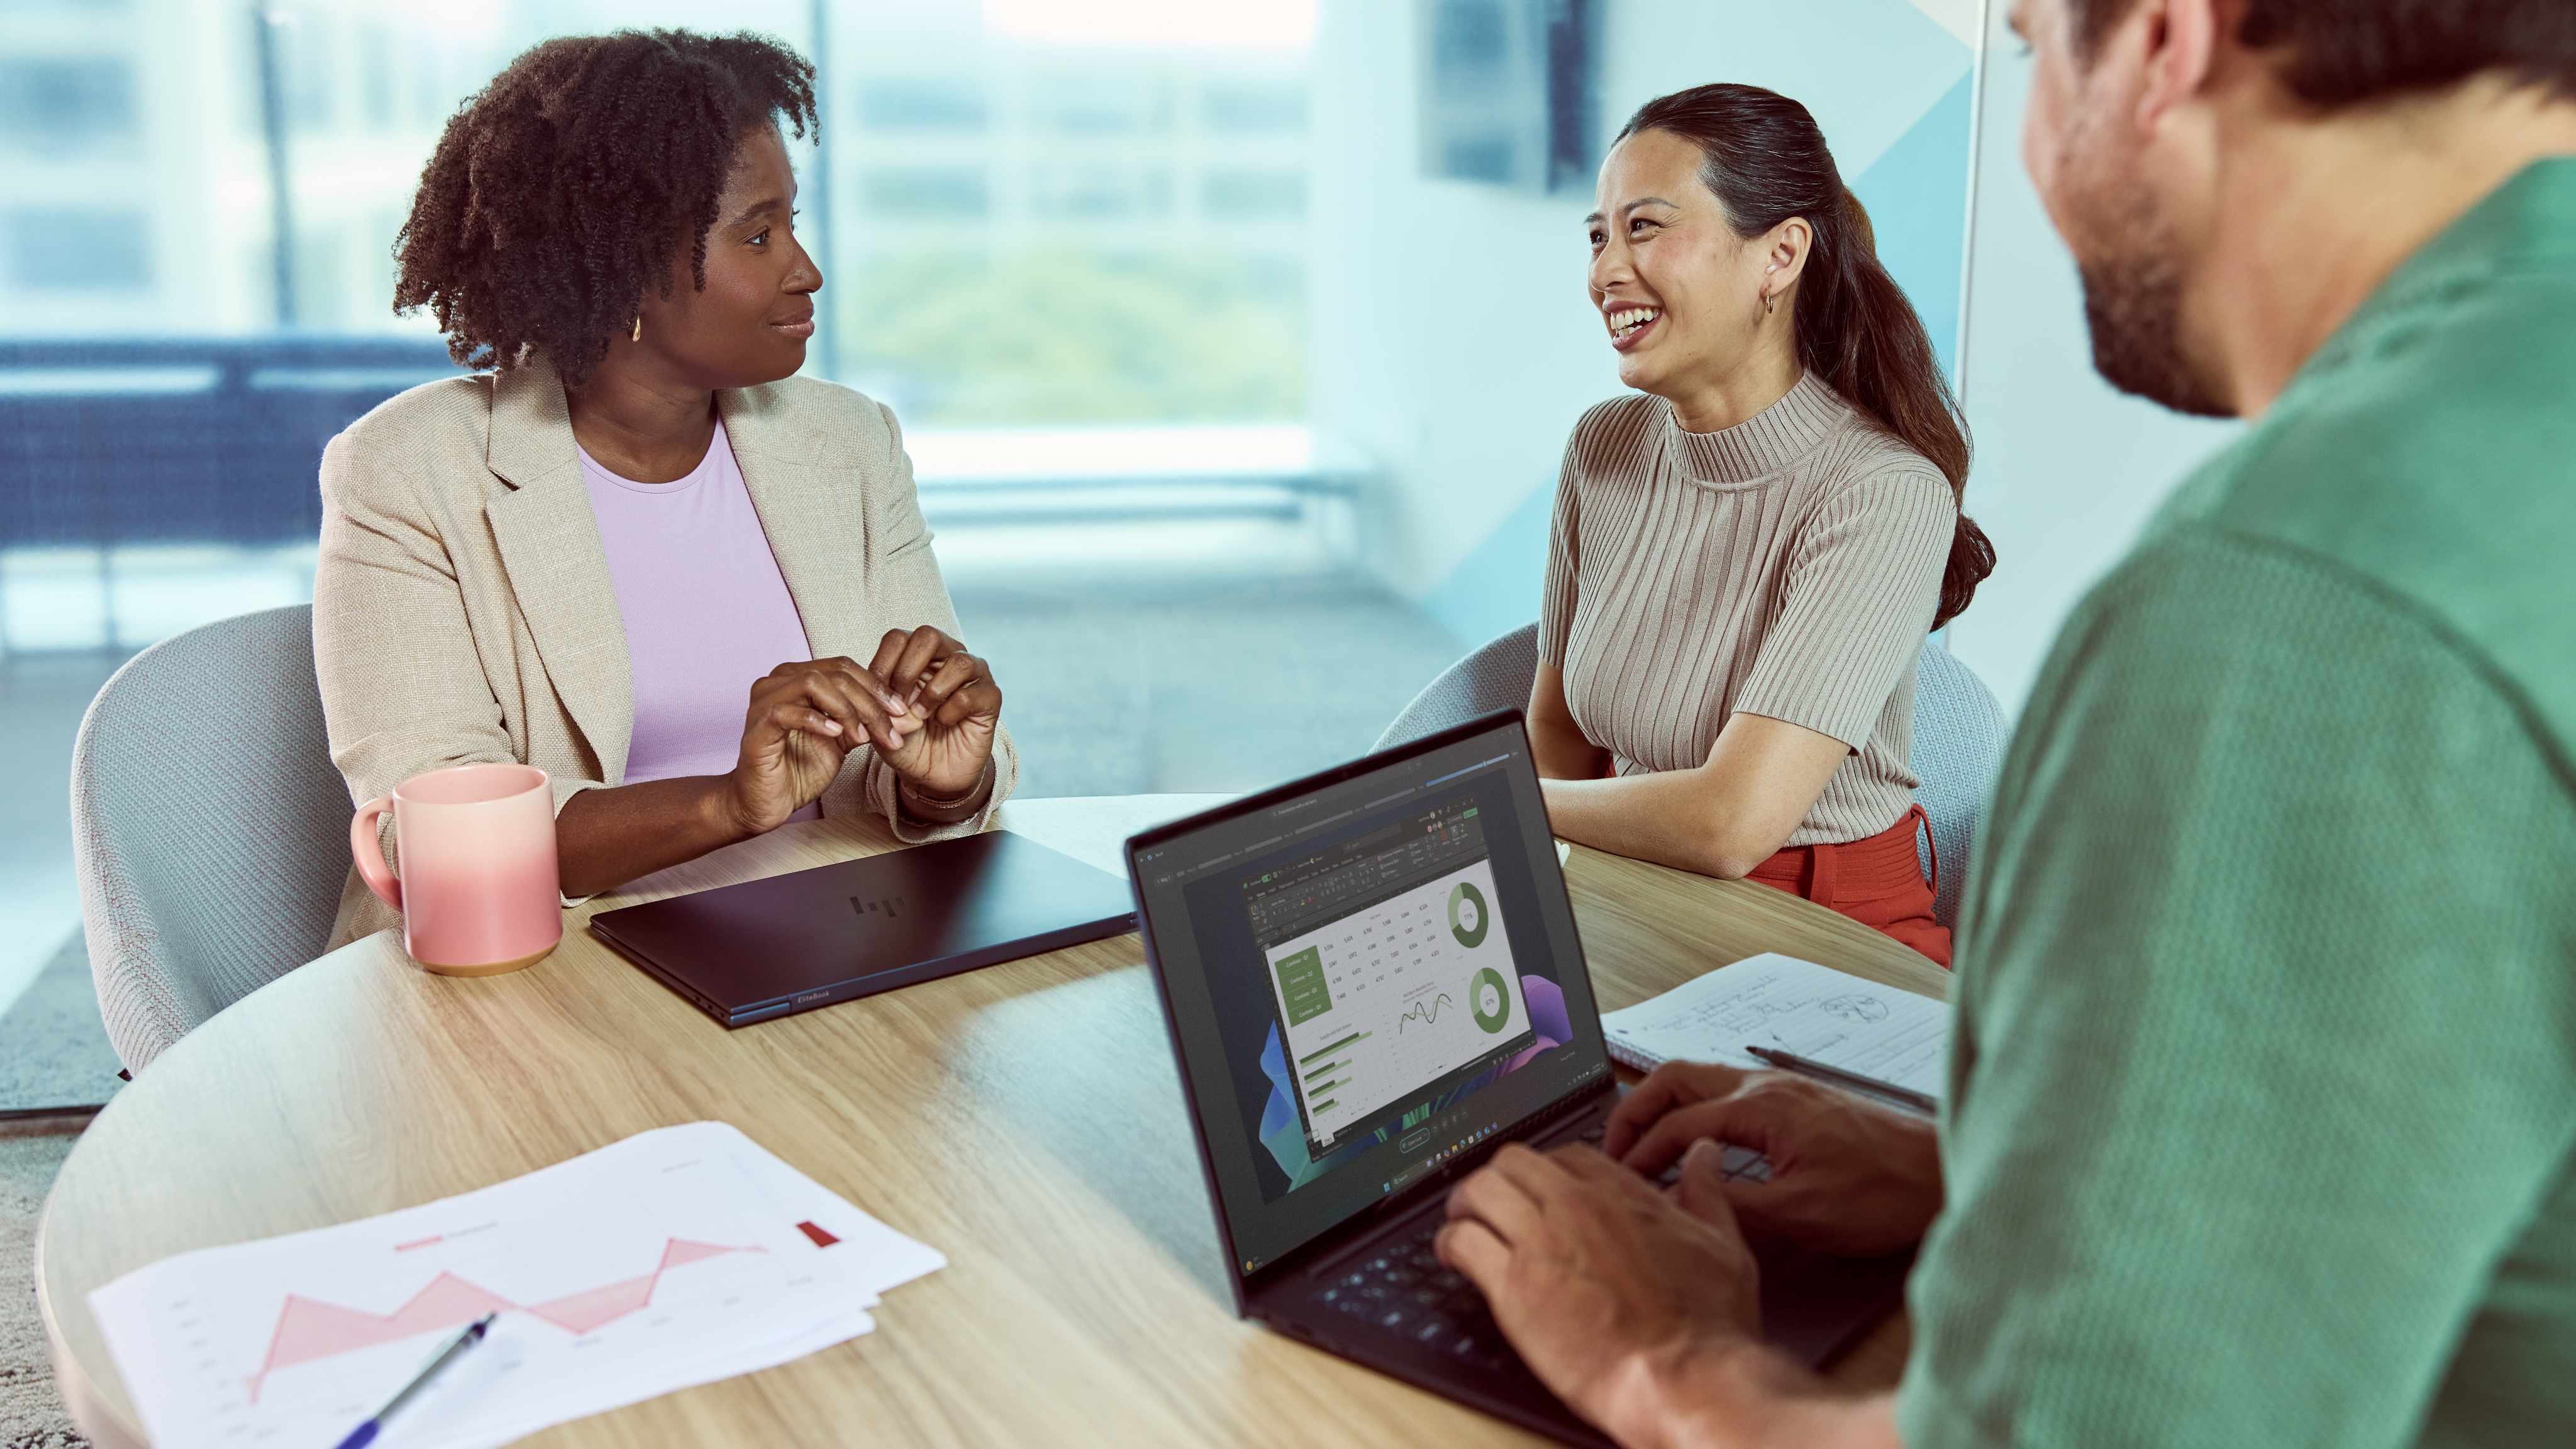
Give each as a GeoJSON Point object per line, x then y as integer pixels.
{"type": "Point", "coordinates": [1025, 1119]}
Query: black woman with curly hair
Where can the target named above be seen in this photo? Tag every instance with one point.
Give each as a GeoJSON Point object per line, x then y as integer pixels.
{"type": "Point", "coordinates": [635, 550]}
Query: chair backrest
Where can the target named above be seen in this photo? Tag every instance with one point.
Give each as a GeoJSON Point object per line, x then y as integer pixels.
{"type": "Point", "coordinates": [209, 829]}
{"type": "Point", "coordinates": [1495, 676]}
{"type": "Point", "coordinates": [1959, 734]}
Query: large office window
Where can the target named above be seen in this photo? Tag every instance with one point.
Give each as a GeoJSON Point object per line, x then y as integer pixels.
{"type": "Point", "coordinates": [1071, 246]}
{"type": "Point", "coordinates": [1065, 248]}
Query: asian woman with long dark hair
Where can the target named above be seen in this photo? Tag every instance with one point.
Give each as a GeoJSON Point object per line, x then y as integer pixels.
{"type": "Point", "coordinates": [1750, 548]}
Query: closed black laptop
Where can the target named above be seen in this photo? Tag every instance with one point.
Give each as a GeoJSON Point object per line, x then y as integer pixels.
{"type": "Point", "coordinates": [1372, 980]}
{"type": "Point", "coordinates": [745, 953]}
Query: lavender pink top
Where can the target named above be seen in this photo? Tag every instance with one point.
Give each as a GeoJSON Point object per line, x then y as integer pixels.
{"type": "Point", "coordinates": [705, 608]}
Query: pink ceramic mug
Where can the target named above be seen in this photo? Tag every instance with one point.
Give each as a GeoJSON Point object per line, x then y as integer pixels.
{"type": "Point", "coordinates": [478, 892]}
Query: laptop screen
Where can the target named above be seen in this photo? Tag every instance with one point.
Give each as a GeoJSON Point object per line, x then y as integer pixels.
{"type": "Point", "coordinates": [1366, 978]}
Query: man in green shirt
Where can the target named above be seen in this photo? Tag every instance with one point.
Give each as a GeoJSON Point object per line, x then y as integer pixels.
{"type": "Point", "coordinates": [2262, 1116]}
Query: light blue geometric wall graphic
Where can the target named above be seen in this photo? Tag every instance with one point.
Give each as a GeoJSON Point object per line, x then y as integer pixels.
{"type": "Point", "coordinates": [1917, 195]}
{"type": "Point", "coordinates": [1495, 588]}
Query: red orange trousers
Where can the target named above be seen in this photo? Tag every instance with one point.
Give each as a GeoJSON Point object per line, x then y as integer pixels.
{"type": "Point", "coordinates": [1877, 882]}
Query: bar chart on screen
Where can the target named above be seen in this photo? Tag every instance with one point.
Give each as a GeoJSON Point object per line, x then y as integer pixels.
{"type": "Point", "coordinates": [674, 1258]}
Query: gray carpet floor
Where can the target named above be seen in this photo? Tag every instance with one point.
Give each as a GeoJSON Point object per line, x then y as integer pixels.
{"type": "Point", "coordinates": [53, 1047]}
{"type": "Point", "coordinates": [31, 1413]}
{"type": "Point", "coordinates": [1110, 689]}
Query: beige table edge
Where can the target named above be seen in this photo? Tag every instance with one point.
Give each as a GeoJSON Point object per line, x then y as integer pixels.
{"type": "Point", "coordinates": [1077, 826]}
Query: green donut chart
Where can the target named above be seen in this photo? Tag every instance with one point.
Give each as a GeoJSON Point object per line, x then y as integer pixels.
{"type": "Point", "coordinates": [1490, 1000]}
{"type": "Point", "coordinates": [1468, 915]}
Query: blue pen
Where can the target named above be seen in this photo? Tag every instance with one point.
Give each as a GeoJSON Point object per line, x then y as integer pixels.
{"type": "Point", "coordinates": [366, 1433]}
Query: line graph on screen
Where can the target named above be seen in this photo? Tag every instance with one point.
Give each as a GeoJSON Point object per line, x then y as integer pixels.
{"type": "Point", "coordinates": [1426, 1012]}
{"type": "Point", "coordinates": [309, 1329]}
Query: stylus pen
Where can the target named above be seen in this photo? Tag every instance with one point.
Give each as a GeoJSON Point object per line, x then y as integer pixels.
{"type": "Point", "coordinates": [366, 1433]}
{"type": "Point", "coordinates": [1810, 1067]}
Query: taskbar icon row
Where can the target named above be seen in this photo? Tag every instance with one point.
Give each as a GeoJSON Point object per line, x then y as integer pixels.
{"type": "Point", "coordinates": [1435, 1159]}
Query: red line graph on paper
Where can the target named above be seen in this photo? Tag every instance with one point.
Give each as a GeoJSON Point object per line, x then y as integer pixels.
{"type": "Point", "coordinates": [310, 1329]}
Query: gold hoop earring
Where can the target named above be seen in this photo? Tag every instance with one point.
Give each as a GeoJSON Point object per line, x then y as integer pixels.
{"type": "Point", "coordinates": [637, 335]}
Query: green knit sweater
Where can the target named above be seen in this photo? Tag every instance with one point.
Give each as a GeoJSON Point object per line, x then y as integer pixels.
{"type": "Point", "coordinates": [2262, 1122]}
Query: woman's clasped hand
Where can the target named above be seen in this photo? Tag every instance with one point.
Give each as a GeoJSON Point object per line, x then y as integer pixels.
{"type": "Point", "coordinates": [928, 707]}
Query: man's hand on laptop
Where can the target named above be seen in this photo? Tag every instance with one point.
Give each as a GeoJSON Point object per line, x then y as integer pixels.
{"type": "Point", "coordinates": [1617, 1295]}
{"type": "Point", "coordinates": [1847, 1176]}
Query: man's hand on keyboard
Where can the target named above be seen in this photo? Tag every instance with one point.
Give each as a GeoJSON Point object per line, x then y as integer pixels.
{"type": "Point", "coordinates": [1846, 1177]}
{"type": "Point", "coordinates": [1615, 1297]}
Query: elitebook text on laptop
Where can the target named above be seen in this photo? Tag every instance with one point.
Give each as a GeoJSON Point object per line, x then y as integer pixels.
{"type": "Point", "coordinates": [1373, 979]}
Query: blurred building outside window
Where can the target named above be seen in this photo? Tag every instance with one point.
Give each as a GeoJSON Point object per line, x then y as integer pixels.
{"type": "Point", "coordinates": [1047, 241]}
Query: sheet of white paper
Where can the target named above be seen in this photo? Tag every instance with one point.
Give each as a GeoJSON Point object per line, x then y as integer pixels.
{"type": "Point", "coordinates": [881, 1257]}
{"type": "Point", "coordinates": [1798, 1006]}
{"type": "Point", "coordinates": [676, 1257]}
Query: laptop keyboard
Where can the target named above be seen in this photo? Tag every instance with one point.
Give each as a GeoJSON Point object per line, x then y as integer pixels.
{"type": "Point", "coordinates": [1403, 1289]}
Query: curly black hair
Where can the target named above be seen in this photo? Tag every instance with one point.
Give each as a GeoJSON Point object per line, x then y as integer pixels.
{"type": "Point", "coordinates": [559, 192]}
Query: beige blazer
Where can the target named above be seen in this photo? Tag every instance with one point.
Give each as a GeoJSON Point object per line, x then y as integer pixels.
{"type": "Point", "coordinates": [462, 610]}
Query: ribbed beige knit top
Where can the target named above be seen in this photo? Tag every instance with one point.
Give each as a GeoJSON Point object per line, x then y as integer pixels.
{"type": "Point", "coordinates": [1789, 566]}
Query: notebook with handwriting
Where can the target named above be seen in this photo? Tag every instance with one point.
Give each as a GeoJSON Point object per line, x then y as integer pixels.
{"type": "Point", "coordinates": [1795, 1006]}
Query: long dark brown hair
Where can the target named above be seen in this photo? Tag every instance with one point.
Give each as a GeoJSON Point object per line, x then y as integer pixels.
{"type": "Point", "coordinates": [1766, 161]}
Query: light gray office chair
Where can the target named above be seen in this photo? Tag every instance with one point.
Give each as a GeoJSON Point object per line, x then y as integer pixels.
{"type": "Point", "coordinates": [1495, 676]}
{"type": "Point", "coordinates": [1959, 734]}
{"type": "Point", "coordinates": [1958, 737]}
{"type": "Point", "coordinates": [209, 829]}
